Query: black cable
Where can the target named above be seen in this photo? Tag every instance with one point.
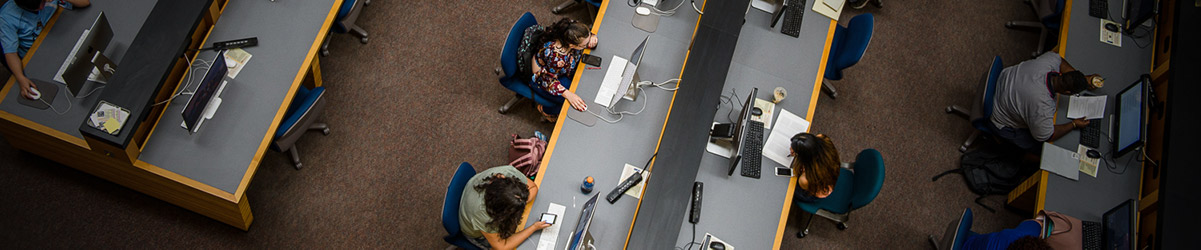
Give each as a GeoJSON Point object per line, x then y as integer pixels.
{"type": "Point", "coordinates": [693, 240]}
{"type": "Point", "coordinates": [648, 162]}
{"type": "Point", "coordinates": [633, 3]}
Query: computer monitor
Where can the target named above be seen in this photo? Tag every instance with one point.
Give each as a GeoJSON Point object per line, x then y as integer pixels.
{"type": "Point", "coordinates": [629, 77]}
{"type": "Point", "coordinates": [581, 238]}
{"type": "Point", "coordinates": [1128, 130]}
{"type": "Point", "coordinates": [194, 112]}
{"type": "Point", "coordinates": [88, 55]}
{"type": "Point", "coordinates": [1137, 12]}
{"type": "Point", "coordinates": [739, 130]}
{"type": "Point", "coordinates": [1118, 224]}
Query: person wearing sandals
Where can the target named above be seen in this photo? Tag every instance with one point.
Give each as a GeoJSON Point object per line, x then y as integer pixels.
{"type": "Point", "coordinates": [562, 49]}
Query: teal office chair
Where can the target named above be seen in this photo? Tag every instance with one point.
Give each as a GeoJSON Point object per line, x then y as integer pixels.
{"type": "Point", "coordinates": [300, 117]}
{"type": "Point", "coordinates": [981, 113]}
{"type": "Point", "coordinates": [854, 189]}
{"type": "Point", "coordinates": [450, 207]}
{"type": "Point", "coordinates": [344, 22]}
{"type": "Point", "coordinates": [519, 83]}
{"type": "Point", "coordinates": [592, 6]}
{"type": "Point", "coordinates": [957, 232]}
{"type": "Point", "coordinates": [1050, 14]}
{"type": "Point", "coordinates": [848, 46]}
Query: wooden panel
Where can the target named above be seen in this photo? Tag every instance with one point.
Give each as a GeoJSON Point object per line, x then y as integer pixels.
{"type": "Point", "coordinates": [1029, 195]}
{"type": "Point", "coordinates": [1163, 33]}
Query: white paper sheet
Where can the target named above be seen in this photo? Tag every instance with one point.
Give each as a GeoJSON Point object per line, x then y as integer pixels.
{"type": "Point", "coordinates": [612, 80]}
{"type": "Point", "coordinates": [1091, 107]}
{"type": "Point", "coordinates": [787, 125]}
{"type": "Point", "coordinates": [1060, 161]}
{"type": "Point", "coordinates": [768, 112]}
{"type": "Point", "coordinates": [628, 171]}
{"type": "Point", "coordinates": [550, 235]}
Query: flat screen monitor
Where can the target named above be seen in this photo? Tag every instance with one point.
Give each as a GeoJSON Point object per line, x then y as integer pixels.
{"type": "Point", "coordinates": [1118, 224]}
{"type": "Point", "coordinates": [89, 51]}
{"type": "Point", "coordinates": [1137, 12]}
{"type": "Point", "coordinates": [1128, 132]}
{"type": "Point", "coordinates": [629, 77]}
{"type": "Point", "coordinates": [193, 112]}
{"type": "Point", "coordinates": [739, 133]}
{"type": "Point", "coordinates": [578, 236]}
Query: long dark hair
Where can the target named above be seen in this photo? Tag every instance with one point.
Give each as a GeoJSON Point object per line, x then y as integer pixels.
{"type": "Point", "coordinates": [504, 199]}
{"type": "Point", "coordinates": [567, 31]}
{"type": "Point", "coordinates": [818, 159]}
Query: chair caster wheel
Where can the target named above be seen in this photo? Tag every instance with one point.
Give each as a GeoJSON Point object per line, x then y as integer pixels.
{"type": "Point", "coordinates": [1009, 25]}
{"type": "Point", "coordinates": [324, 52]}
{"type": "Point", "coordinates": [962, 149]}
{"type": "Point", "coordinates": [298, 166]}
{"type": "Point", "coordinates": [556, 11]}
{"type": "Point", "coordinates": [325, 131]}
{"type": "Point", "coordinates": [842, 226]}
{"type": "Point", "coordinates": [368, 2]}
{"type": "Point", "coordinates": [363, 40]}
{"type": "Point", "coordinates": [801, 234]}
{"type": "Point", "coordinates": [502, 110]}
{"type": "Point", "coordinates": [948, 110]}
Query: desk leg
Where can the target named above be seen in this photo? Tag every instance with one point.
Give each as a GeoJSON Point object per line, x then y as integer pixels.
{"type": "Point", "coordinates": [313, 78]}
{"type": "Point", "coordinates": [1031, 194]}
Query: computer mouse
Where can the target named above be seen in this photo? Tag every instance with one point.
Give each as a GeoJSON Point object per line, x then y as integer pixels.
{"type": "Point", "coordinates": [717, 246]}
{"type": "Point", "coordinates": [756, 111]}
{"type": "Point", "coordinates": [35, 93]}
{"type": "Point", "coordinates": [642, 11]}
{"type": "Point", "coordinates": [1111, 27]}
{"type": "Point", "coordinates": [1092, 153]}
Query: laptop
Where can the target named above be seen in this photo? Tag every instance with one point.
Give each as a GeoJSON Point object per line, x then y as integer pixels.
{"type": "Point", "coordinates": [1115, 231]}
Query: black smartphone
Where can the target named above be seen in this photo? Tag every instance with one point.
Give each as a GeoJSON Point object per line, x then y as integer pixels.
{"type": "Point", "coordinates": [549, 218]}
{"type": "Point", "coordinates": [595, 61]}
{"type": "Point", "coordinates": [783, 171]}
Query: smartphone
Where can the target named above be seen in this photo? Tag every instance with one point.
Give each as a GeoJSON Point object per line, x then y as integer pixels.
{"type": "Point", "coordinates": [595, 61]}
{"type": "Point", "coordinates": [781, 171]}
{"type": "Point", "coordinates": [549, 218]}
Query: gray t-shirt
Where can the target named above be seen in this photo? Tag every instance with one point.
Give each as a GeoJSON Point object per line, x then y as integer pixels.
{"type": "Point", "coordinates": [473, 216]}
{"type": "Point", "coordinates": [1023, 100]}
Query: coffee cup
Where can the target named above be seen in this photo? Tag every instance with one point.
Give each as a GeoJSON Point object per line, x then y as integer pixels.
{"type": "Point", "coordinates": [778, 95]}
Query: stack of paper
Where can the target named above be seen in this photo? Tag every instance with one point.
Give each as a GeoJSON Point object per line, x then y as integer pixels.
{"type": "Point", "coordinates": [829, 8]}
{"type": "Point", "coordinates": [1060, 161]}
{"type": "Point", "coordinates": [628, 171]}
{"type": "Point", "coordinates": [779, 142]}
{"type": "Point", "coordinates": [1090, 107]}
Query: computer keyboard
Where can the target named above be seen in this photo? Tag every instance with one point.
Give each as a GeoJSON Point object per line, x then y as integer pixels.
{"type": "Point", "coordinates": [1090, 135]}
{"type": "Point", "coordinates": [752, 154]}
{"type": "Point", "coordinates": [792, 18]}
{"type": "Point", "coordinates": [1098, 8]}
{"type": "Point", "coordinates": [1091, 235]}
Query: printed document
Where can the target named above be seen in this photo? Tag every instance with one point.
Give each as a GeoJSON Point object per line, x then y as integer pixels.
{"type": "Point", "coordinates": [778, 143]}
{"type": "Point", "coordinates": [1060, 161]}
{"type": "Point", "coordinates": [1091, 107]}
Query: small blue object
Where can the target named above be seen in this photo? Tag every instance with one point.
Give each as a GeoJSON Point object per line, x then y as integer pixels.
{"type": "Point", "coordinates": [540, 135]}
{"type": "Point", "coordinates": [587, 186]}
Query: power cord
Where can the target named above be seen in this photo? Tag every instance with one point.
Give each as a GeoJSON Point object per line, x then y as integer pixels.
{"type": "Point", "coordinates": [639, 85]}
{"type": "Point", "coordinates": [698, 10]}
{"type": "Point", "coordinates": [206, 65]}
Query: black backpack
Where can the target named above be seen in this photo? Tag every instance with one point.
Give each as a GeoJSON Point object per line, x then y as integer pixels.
{"type": "Point", "coordinates": [530, 44]}
{"type": "Point", "coordinates": [990, 171]}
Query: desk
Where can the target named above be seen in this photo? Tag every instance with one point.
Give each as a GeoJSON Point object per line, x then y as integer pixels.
{"type": "Point", "coordinates": [761, 58]}
{"type": "Point", "coordinates": [212, 176]}
{"type": "Point", "coordinates": [1088, 198]}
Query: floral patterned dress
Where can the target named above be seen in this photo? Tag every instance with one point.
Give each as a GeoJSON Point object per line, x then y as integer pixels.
{"type": "Point", "coordinates": [555, 64]}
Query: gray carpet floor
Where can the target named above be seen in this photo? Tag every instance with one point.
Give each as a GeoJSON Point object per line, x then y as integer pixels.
{"type": "Point", "coordinates": [421, 97]}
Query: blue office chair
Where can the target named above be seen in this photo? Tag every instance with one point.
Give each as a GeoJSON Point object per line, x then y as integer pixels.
{"type": "Point", "coordinates": [854, 189]}
{"type": "Point", "coordinates": [300, 117]}
{"type": "Point", "coordinates": [1050, 14]}
{"type": "Point", "coordinates": [450, 207]}
{"type": "Point", "coordinates": [344, 22]}
{"type": "Point", "coordinates": [956, 234]}
{"type": "Point", "coordinates": [848, 46]}
{"type": "Point", "coordinates": [981, 113]}
{"type": "Point", "coordinates": [592, 6]}
{"type": "Point", "coordinates": [519, 83]}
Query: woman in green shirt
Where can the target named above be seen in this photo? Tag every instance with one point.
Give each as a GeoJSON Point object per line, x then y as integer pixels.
{"type": "Point", "coordinates": [491, 209]}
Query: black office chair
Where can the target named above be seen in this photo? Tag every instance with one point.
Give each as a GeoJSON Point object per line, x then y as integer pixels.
{"type": "Point", "coordinates": [344, 22]}
{"type": "Point", "coordinates": [1050, 13]}
{"type": "Point", "coordinates": [981, 113]}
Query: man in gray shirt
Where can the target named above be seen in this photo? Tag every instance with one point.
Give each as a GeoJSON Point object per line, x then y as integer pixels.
{"type": "Point", "coordinates": [1024, 108]}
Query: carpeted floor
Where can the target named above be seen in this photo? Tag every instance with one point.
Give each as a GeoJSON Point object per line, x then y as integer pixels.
{"type": "Point", "coordinates": [421, 97]}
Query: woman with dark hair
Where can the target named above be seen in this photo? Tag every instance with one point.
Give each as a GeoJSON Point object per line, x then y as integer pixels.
{"type": "Point", "coordinates": [816, 159]}
{"type": "Point", "coordinates": [491, 208]}
{"type": "Point", "coordinates": [562, 48]}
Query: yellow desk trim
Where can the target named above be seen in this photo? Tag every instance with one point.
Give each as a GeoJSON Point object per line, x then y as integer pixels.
{"type": "Point", "coordinates": [1063, 28]}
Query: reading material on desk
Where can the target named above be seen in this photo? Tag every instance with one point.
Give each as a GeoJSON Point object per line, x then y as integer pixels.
{"type": "Point", "coordinates": [768, 111]}
{"type": "Point", "coordinates": [550, 235]}
{"type": "Point", "coordinates": [1110, 37]}
{"type": "Point", "coordinates": [778, 143]}
{"type": "Point", "coordinates": [825, 7]}
{"type": "Point", "coordinates": [1091, 107]}
{"type": "Point", "coordinates": [1088, 165]}
{"type": "Point", "coordinates": [628, 171]}
{"type": "Point", "coordinates": [1060, 161]}
{"type": "Point", "coordinates": [611, 81]}
{"type": "Point", "coordinates": [236, 58]}
{"type": "Point", "coordinates": [108, 118]}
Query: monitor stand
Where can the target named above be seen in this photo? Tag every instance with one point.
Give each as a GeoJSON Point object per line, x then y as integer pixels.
{"type": "Point", "coordinates": [632, 92]}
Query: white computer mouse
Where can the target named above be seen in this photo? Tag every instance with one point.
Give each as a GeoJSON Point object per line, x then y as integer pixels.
{"type": "Point", "coordinates": [36, 94]}
{"type": "Point", "coordinates": [642, 11]}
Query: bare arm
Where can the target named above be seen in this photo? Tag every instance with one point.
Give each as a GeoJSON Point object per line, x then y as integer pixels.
{"type": "Point", "coordinates": [79, 3]}
{"type": "Point", "coordinates": [533, 190]}
{"type": "Point", "coordinates": [14, 65]}
{"type": "Point", "coordinates": [1063, 129]}
{"type": "Point", "coordinates": [514, 240]}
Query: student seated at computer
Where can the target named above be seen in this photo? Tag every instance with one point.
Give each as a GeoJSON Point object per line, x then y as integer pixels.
{"type": "Point", "coordinates": [1024, 109]}
{"type": "Point", "coordinates": [492, 206]}
{"type": "Point", "coordinates": [563, 45]}
{"type": "Point", "coordinates": [20, 23]}
{"type": "Point", "coordinates": [1023, 237]}
{"type": "Point", "coordinates": [816, 159]}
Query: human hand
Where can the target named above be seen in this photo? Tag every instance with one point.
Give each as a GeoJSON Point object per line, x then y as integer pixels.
{"type": "Point", "coordinates": [26, 87]}
{"type": "Point", "coordinates": [1080, 122]}
{"type": "Point", "coordinates": [539, 225]}
{"type": "Point", "coordinates": [592, 42]}
{"type": "Point", "coordinates": [575, 101]}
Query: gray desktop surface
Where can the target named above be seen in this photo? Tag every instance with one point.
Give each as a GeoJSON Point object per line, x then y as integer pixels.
{"type": "Point", "coordinates": [1088, 198]}
{"type": "Point", "coordinates": [603, 150]}
{"type": "Point", "coordinates": [742, 211]}
{"type": "Point", "coordinates": [221, 153]}
{"type": "Point", "coordinates": [125, 18]}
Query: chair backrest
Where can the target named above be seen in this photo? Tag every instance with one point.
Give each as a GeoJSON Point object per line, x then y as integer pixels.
{"type": "Point", "coordinates": [454, 193]}
{"type": "Point", "coordinates": [957, 231]}
{"type": "Point", "coordinates": [508, 55]}
{"type": "Point", "coordinates": [987, 97]}
{"type": "Point", "coordinates": [306, 106]}
{"type": "Point", "coordinates": [869, 177]}
{"type": "Point", "coordinates": [849, 45]}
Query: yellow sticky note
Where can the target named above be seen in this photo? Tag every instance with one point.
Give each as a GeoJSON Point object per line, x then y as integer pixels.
{"type": "Point", "coordinates": [111, 126]}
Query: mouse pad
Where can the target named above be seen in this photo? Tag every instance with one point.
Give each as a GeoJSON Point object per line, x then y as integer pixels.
{"type": "Point", "coordinates": [49, 92]}
{"type": "Point", "coordinates": [648, 23]}
{"type": "Point", "coordinates": [581, 116]}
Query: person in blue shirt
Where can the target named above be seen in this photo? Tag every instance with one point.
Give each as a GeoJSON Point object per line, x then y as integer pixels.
{"type": "Point", "coordinates": [21, 22]}
{"type": "Point", "coordinates": [1024, 233]}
